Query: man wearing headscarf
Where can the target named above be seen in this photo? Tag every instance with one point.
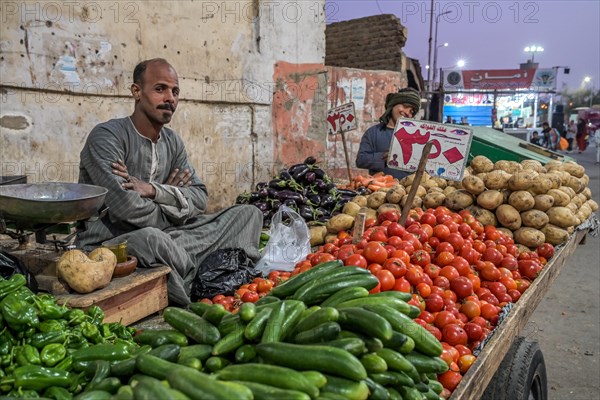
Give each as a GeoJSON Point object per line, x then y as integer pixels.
{"type": "Point", "coordinates": [375, 143]}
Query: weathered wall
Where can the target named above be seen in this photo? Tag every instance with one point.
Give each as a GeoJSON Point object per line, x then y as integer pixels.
{"type": "Point", "coordinates": [367, 89]}
{"type": "Point", "coordinates": [66, 66]}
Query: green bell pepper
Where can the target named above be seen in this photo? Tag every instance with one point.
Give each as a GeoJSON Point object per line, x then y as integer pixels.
{"type": "Point", "coordinates": [8, 286]}
{"type": "Point", "coordinates": [52, 325]}
{"type": "Point", "coordinates": [18, 313]}
{"type": "Point", "coordinates": [35, 377]}
{"type": "Point", "coordinates": [52, 354]}
{"type": "Point", "coordinates": [40, 339]}
{"type": "Point", "coordinates": [91, 332]}
{"type": "Point", "coordinates": [27, 354]}
{"type": "Point", "coordinates": [102, 351]}
{"type": "Point", "coordinates": [96, 313]}
{"type": "Point", "coordinates": [76, 316]}
{"type": "Point", "coordinates": [48, 308]}
{"type": "Point", "coordinates": [57, 393]}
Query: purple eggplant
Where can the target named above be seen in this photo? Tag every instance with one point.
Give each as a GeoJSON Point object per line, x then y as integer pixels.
{"type": "Point", "coordinates": [319, 172]}
{"type": "Point", "coordinates": [278, 183]}
{"type": "Point", "coordinates": [299, 171]}
{"type": "Point", "coordinates": [310, 160]}
{"type": "Point", "coordinates": [289, 195]}
{"type": "Point", "coordinates": [346, 192]}
{"type": "Point", "coordinates": [263, 193]}
{"type": "Point", "coordinates": [285, 175]}
{"type": "Point", "coordinates": [310, 177]}
{"type": "Point", "coordinates": [327, 201]}
{"type": "Point", "coordinates": [243, 198]}
{"type": "Point", "coordinates": [321, 186]}
{"type": "Point", "coordinates": [306, 212]}
{"type": "Point", "coordinates": [254, 197]}
{"type": "Point", "coordinates": [262, 206]}
{"type": "Point", "coordinates": [261, 185]}
{"type": "Point", "coordinates": [313, 199]}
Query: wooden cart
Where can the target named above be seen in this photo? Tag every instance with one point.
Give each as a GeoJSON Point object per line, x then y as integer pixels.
{"type": "Point", "coordinates": [507, 355]}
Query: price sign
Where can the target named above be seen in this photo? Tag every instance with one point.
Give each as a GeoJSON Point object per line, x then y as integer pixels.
{"type": "Point", "coordinates": [341, 119]}
{"type": "Point", "coordinates": [449, 152]}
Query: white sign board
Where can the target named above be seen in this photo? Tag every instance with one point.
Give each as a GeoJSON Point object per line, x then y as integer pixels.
{"type": "Point", "coordinates": [449, 153]}
{"type": "Point", "coordinates": [341, 119]}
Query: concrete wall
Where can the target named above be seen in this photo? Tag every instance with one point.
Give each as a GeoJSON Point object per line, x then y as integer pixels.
{"type": "Point", "coordinates": [66, 66]}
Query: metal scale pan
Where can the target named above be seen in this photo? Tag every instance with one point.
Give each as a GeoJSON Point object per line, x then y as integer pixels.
{"type": "Point", "coordinates": [49, 203]}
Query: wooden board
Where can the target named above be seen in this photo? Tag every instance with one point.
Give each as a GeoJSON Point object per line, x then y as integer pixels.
{"type": "Point", "coordinates": [127, 299]}
{"type": "Point", "coordinates": [476, 380]}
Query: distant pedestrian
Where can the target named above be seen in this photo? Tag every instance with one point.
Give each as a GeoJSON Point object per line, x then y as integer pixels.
{"type": "Point", "coordinates": [581, 135]}
{"type": "Point", "coordinates": [597, 140]}
{"type": "Point", "coordinates": [551, 137]}
{"type": "Point", "coordinates": [535, 138]}
{"type": "Point", "coordinates": [571, 132]}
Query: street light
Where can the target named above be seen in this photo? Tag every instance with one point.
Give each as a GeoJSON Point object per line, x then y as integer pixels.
{"type": "Point", "coordinates": [435, 60]}
{"type": "Point", "coordinates": [460, 63]}
{"type": "Point", "coordinates": [588, 79]}
{"type": "Point", "coordinates": [533, 50]}
{"type": "Point", "coordinates": [437, 18]}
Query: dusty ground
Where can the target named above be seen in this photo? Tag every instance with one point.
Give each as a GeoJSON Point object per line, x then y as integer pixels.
{"type": "Point", "coordinates": [567, 322]}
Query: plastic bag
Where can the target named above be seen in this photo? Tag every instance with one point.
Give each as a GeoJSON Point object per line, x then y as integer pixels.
{"type": "Point", "coordinates": [288, 243]}
{"type": "Point", "coordinates": [222, 272]}
{"type": "Point", "coordinates": [10, 265]}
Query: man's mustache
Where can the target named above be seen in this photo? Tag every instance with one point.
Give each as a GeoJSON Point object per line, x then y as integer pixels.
{"type": "Point", "coordinates": [166, 106]}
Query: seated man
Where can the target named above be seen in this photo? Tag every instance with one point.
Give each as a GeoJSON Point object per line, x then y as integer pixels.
{"type": "Point", "coordinates": [375, 143]}
{"type": "Point", "coordinates": [155, 199]}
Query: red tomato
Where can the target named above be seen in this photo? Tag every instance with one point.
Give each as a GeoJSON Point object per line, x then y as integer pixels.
{"type": "Point", "coordinates": [395, 229]}
{"type": "Point", "coordinates": [474, 331]}
{"type": "Point", "coordinates": [529, 268]}
{"type": "Point", "coordinates": [402, 285]}
{"type": "Point", "coordinates": [442, 282]}
{"type": "Point", "coordinates": [509, 262]}
{"type": "Point", "coordinates": [321, 258]}
{"type": "Point", "coordinates": [250, 297]}
{"type": "Point", "coordinates": [374, 252]}
{"type": "Point", "coordinates": [427, 317]}
{"type": "Point", "coordinates": [444, 258]}
{"type": "Point", "coordinates": [449, 272]}
{"type": "Point", "coordinates": [423, 289]}
{"type": "Point", "coordinates": [514, 295]}
{"type": "Point", "coordinates": [428, 218]}
{"type": "Point", "coordinates": [493, 255]}
{"type": "Point", "coordinates": [386, 279]}
{"type": "Point", "coordinates": [414, 275]}
{"type": "Point", "coordinates": [434, 303]}
{"type": "Point", "coordinates": [421, 258]}
{"type": "Point", "coordinates": [546, 250]}
{"type": "Point", "coordinates": [395, 266]}
{"type": "Point", "coordinates": [462, 286]}
{"type": "Point", "coordinates": [432, 270]}
{"type": "Point", "coordinates": [462, 265]}
{"type": "Point", "coordinates": [378, 234]}
{"type": "Point", "coordinates": [391, 215]}
{"type": "Point", "coordinates": [374, 268]}
{"type": "Point", "coordinates": [444, 318]}
{"type": "Point", "coordinates": [265, 286]}
{"type": "Point", "coordinates": [394, 241]}
{"type": "Point", "coordinates": [345, 251]}
{"type": "Point", "coordinates": [444, 246]}
{"type": "Point", "coordinates": [490, 273]}
{"type": "Point", "coordinates": [356, 260]}
{"type": "Point", "coordinates": [456, 241]}
{"type": "Point", "coordinates": [454, 335]}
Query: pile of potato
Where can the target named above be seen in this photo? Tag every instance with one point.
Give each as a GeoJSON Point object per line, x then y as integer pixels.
{"type": "Point", "coordinates": [531, 202]}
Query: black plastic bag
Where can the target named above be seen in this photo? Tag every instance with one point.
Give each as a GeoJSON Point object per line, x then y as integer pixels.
{"type": "Point", "coordinates": [10, 265]}
{"type": "Point", "coordinates": [222, 272]}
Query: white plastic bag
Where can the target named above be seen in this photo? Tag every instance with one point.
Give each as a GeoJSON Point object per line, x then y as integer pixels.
{"type": "Point", "coordinates": [288, 243]}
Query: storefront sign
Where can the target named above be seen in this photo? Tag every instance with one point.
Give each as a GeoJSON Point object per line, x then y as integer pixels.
{"type": "Point", "coordinates": [543, 79]}
{"type": "Point", "coordinates": [448, 157]}
{"type": "Point", "coordinates": [341, 119]}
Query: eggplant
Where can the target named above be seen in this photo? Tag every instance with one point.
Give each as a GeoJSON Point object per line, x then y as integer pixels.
{"type": "Point", "coordinates": [306, 212]}
{"type": "Point", "coordinates": [310, 177]}
{"type": "Point", "coordinates": [278, 183]}
{"type": "Point", "coordinates": [274, 204]}
{"type": "Point", "coordinates": [320, 212]}
{"type": "Point", "coordinates": [262, 206]}
{"type": "Point", "coordinates": [273, 192]}
{"type": "Point", "coordinates": [320, 186]}
{"type": "Point", "coordinates": [319, 172]}
{"type": "Point", "coordinates": [298, 171]}
{"type": "Point", "coordinates": [310, 160]}
{"type": "Point", "coordinates": [327, 201]}
{"type": "Point", "coordinates": [289, 195]}
{"type": "Point", "coordinates": [296, 167]}
{"type": "Point", "coordinates": [285, 175]}
{"type": "Point", "coordinates": [346, 192]}
{"type": "Point", "coordinates": [263, 193]}
{"type": "Point", "coordinates": [261, 185]}
{"type": "Point", "coordinates": [313, 199]}
{"type": "Point", "coordinates": [254, 197]}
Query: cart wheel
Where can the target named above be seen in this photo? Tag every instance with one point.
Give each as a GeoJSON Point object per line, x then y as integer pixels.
{"type": "Point", "coordinates": [521, 375]}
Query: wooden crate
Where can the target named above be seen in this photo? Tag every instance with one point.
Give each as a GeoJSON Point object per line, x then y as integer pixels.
{"type": "Point", "coordinates": [127, 299]}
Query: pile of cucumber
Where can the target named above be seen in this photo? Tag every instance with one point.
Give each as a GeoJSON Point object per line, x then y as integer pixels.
{"type": "Point", "coordinates": [319, 335]}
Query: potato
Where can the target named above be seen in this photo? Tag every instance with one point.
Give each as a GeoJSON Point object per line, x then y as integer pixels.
{"type": "Point", "coordinates": [576, 184]}
{"type": "Point", "coordinates": [508, 216]}
{"type": "Point", "coordinates": [330, 237]}
{"type": "Point", "coordinates": [522, 180]}
{"type": "Point", "coordinates": [317, 235]}
{"type": "Point", "coordinates": [534, 218]}
{"type": "Point", "coordinates": [497, 179]}
{"type": "Point", "coordinates": [449, 189]}
{"type": "Point", "coordinates": [522, 200]}
{"type": "Point", "coordinates": [441, 182]}
{"type": "Point", "coordinates": [509, 166]}
{"type": "Point", "coordinates": [578, 200]}
{"type": "Point", "coordinates": [435, 190]}
{"type": "Point", "coordinates": [529, 237]}
{"type": "Point", "coordinates": [433, 199]}
{"type": "Point", "coordinates": [587, 192]}
{"type": "Point", "coordinates": [421, 191]}
{"type": "Point", "coordinates": [458, 200]}
{"type": "Point", "coordinates": [554, 165]}
{"type": "Point", "coordinates": [541, 185]}
{"type": "Point", "coordinates": [395, 195]}
{"type": "Point", "coordinates": [374, 200]}
{"type": "Point", "coordinates": [593, 205]}
{"type": "Point", "coordinates": [473, 185]}
{"type": "Point", "coordinates": [416, 203]}
{"type": "Point", "coordinates": [543, 202]}
{"type": "Point", "coordinates": [585, 179]}
{"type": "Point", "coordinates": [573, 207]}
{"type": "Point", "coordinates": [555, 235]}
{"type": "Point", "coordinates": [481, 164]}
{"type": "Point", "coordinates": [486, 217]}
{"type": "Point", "coordinates": [522, 249]}
{"type": "Point", "coordinates": [85, 274]}
{"type": "Point", "coordinates": [555, 179]}
{"type": "Point", "coordinates": [388, 207]}
{"type": "Point", "coordinates": [533, 165]}
{"type": "Point", "coordinates": [370, 213]}
{"type": "Point", "coordinates": [573, 168]}
{"type": "Point", "coordinates": [360, 200]}
{"type": "Point", "coordinates": [507, 232]}
{"type": "Point", "coordinates": [569, 191]}
{"type": "Point", "coordinates": [407, 180]}
{"type": "Point", "coordinates": [340, 222]}
{"type": "Point", "coordinates": [351, 208]}
{"type": "Point", "coordinates": [430, 184]}
{"type": "Point", "coordinates": [561, 198]}
{"type": "Point", "coordinates": [490, 199]}
{"type": "Point", "coordinates": [561, 217]}
{"type": "Point", "coordinates": [583, 213]}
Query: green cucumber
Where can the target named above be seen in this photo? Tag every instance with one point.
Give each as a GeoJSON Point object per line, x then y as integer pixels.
{"type": "Point", "coordinates": [215, 313]}
{"type": "Point", "coordinates": [392, 378]}
{"type": "Point", "coordinates": [155, 367]}
{"type": "Point", "coordinates": [199, 308]}
{"type": "Point", "coordinates": [320, 333]}
{"type": "Point", "coordinates": [351, 390]}
{"type": "Point", "coordinates": [191, 362]}
{"type": "Point", "coordinates": [256, 327]}
{"type": "Point", "coordinates": [366, 322]}
{"type": "Point", "coordinates": [425, 342]}
{"type": "Point", "coordinates": [435, 386]}
{"type": "Point", "coordinates": [395, 303]}
{"type": "Point", "coordinates": [268, 392]}
{"type": "Point", "coordinates": [427, 364]}
{"type": "Point", "coordinates": [397, 341]}
{"type": "Point", "coordinates": [216, 363]}
{"type": "Point", "coordinates": [404, 296]}
{"type": "Point", "coordinates": [273, 375]}
{"type": "Point", "coordinates": [199, 351]}
{"type": "Point", "coordinates": [376, 391]}
{"type": "Point", "coordinates": [198, 385]}
{"type": "Point", "coordinates": [397, 362]}
{"type": "Point", "coordinates": [345, 294]}
{"type": "Point", "coordinates": [158, 337]}
{"type": "Point", "coordinates": [354, 345]}
{"type": "Point", "coordinates": [192, 325]}
{"type": "Point", "coordinates": [409, 393]}
{"type": "Point", "coordinates": [229, 325]}
{"type": "Point", "coordinates": [325, 359]}
{"type": "Point", "coordinates": [324, 314]}
{"type": "Point", "coordinates": [373, 363]}
{"type": "Point", "coordinates": [245, 354]}
{"type": "Point", "coordinates": [320, 291]}
{"type": "Point", "coordinates": [151, 388]}
{"type": "Point", "coordinates": [288, 287]}
{"type": "Point", "coordinates": [283, 319]}
{"type": "Point", "coordinates": [247, 312]}
{"type": "Point", "coordinates": [315, 377]}
{"type": "Point", "coordinates": [229, 343]}
{"type": "Point", "coordinates": [394, 394]}
{"type": "Point", "coordinates": [268, 299]}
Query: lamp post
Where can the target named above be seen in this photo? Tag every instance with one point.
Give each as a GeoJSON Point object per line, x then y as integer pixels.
{"type": "Point", "coordinates": [435, 61]}
{"type": "Point", "coordinates": [533, 50]}
{"type": "Point", "coordinates": [437, 18]}
{"type": "Point", "coordinates": [588, 79]}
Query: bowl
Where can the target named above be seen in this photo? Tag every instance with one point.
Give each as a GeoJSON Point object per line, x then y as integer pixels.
{"type": "Point", "coordinates": [125, 268]}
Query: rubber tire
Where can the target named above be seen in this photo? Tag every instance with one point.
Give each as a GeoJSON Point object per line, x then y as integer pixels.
{"type": "Point", "coordinates": [521, 372]}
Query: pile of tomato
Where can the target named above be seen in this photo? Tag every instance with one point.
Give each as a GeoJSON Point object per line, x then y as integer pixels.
{"type": "Point", "coordinates": [460, 274]}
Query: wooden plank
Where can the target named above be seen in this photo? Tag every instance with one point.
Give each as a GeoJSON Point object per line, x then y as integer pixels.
{"type": "Point", "coordinates": [476, 380]}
